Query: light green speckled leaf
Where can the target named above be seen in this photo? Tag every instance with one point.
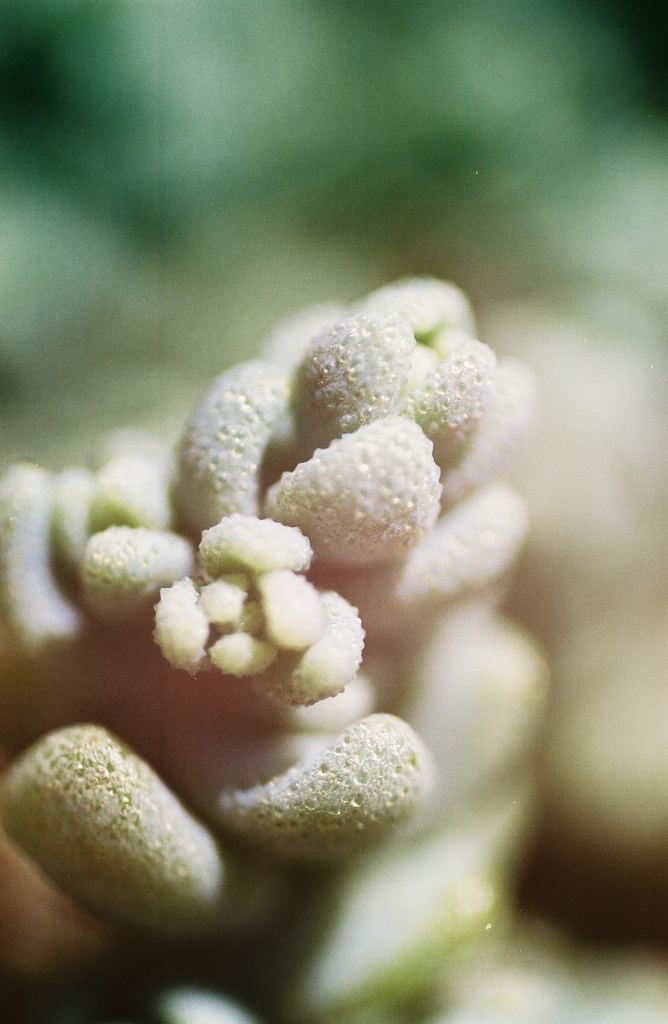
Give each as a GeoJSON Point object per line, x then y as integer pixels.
{"type": "Point", "coordinates": [222, 449]}
{"type": "Point", "coordinates": [452, 400]}
{"type": "Point", "coordinates": [124, 569]}
{"type": "Point", "coordinates": [370, 496]}
{"type": "Point", "coordinates": [33, 606]}
{"type": "Point", "coordinates": [101, 824]}
{"type": "Point", "coordinates": [351, 375]}
{"type": "Point", "coordinates": [348, 798]}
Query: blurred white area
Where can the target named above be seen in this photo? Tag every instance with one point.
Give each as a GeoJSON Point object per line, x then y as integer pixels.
{"type": "Point", "coordinates": [593, 580]}
{"type": "Point", "coordinates": [592, 584]}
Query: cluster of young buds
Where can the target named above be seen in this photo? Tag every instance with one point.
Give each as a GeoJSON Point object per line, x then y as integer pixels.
{"type": "Point", "coordinates": [292, 622]}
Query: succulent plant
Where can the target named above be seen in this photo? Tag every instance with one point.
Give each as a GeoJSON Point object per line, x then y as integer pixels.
{"type": "Point", "coordinates": [215, 663]}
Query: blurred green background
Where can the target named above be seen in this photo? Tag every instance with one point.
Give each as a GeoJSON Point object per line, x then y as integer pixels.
{"type": "Point", "coordinates": [176, 176]}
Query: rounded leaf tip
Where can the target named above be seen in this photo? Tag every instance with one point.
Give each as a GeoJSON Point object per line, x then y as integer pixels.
{"type": "Point", "coordinates": [99, 821]}
{"type": "Point", "coordinates": [351, 796]}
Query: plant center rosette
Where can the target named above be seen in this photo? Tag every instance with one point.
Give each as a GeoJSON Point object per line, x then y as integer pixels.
{"type": "Point", "coordinates": [279, 644]}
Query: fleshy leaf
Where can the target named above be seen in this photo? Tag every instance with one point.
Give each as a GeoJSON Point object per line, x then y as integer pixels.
{"type": "Point", "coordinates": [351, 375]}
{"type": "Point", "coordinates": [370, 496]}
{"type": "Point", "coordinates": [452, 400]}
{"type": "Point", "coordinates": [423, 361]}
{"type": "Point", "coordinates": [330, 715]}
{"type": "Point", "coordinates": [133, 490]}
{"type": "Point", "coordinates": [478, 688]}
{"type": "Point", "coordinates": [33, 606]}
{"type": "Point", "coordinates": [289, 340]}
{"type": "Point", "coordinates": [468, 547]}
{"type": "Point", "coordinates": [73, 493]}
{"type": "Point", "coordinates": [350, 797]}
{"type": "Point", "coordinates": [502, 430]}
{"type": "Point", "coordinates": [403, 919]}
{"type": "Point", "coordinates": [224, 443]}
{"type": "Point", "coordinates": [124, 569]}
{"type": "Point", "coordinates": [98, 820]}
{"type": "Point", "coordinates": [427, 304]}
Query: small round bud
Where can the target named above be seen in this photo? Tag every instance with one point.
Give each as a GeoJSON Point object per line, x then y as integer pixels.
{"type": "Point", "coordinates": [261, 545]}
{"type": "Point", "coordinates": [240, 654]}
{"type": "Point", "coordinates": [223, 602]}
{"type": "Point", "coordinates": [181, 626]}
{"type": "Point", "coordinates": [293, 613]}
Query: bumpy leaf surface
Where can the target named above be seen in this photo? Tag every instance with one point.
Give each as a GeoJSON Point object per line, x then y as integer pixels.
{"type": "Point", "coordinates": [100, 822]}
{"type": "Point", "coordinates": [124, 569]}
{"type": "Point", "coordinates": [224, 443]}
{"type": "Point", "coordinates": [427, 304]}
{"type": "Point", "coordinates": [351, 375]}
{"type": "Point", "coordinates": [370, 496]}
{"type": "Point", "coordinates": [32, 603]}
{"type": "Point", "coordinates": [366, 782]}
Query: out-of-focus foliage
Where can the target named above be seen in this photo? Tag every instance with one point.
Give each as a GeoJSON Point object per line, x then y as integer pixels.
{"type": "Point", "coordinates": [150, 111]}
{"type": "Point", "coordinates": [165, 164]}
